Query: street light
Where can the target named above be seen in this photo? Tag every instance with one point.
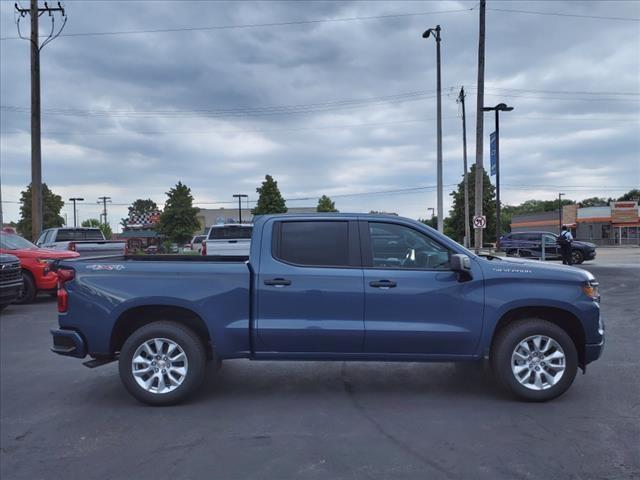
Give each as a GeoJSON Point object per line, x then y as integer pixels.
{"type": "Point", "coordinates": [501, 107]}
{"type": "Point", "coordinates": [432, 211]}
{"type": "Point", "coordinates": [560, 212]}
{"type": "Point", "coordinates": [436, 35]}
{"type": "Point", "coordinates": [240, 196]}
{"type": "Point", "coordinates": [74, 200]}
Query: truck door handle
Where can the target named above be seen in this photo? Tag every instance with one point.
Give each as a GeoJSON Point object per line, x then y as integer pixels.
{"type": "Point", "coordinates": [383, 284]}
{"type": "Point", "coordinates": [278, 282]}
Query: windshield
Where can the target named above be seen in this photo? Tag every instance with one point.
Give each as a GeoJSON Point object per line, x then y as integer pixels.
{"type": "Point", "coordinates": [9, 241]}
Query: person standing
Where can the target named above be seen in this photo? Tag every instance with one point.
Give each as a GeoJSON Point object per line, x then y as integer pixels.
{"type": "Point", "coordinates": [564, 241]}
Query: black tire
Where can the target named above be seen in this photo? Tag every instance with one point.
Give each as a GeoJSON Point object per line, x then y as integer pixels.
{"type": "Point", "coordinates": [577, 257]}
{"type": "Point", "coordinates": [190, 344]}
{"type": "Point", "coordinates": [29, 290]}
{"type": "Point", "coordinates": [505, 343]}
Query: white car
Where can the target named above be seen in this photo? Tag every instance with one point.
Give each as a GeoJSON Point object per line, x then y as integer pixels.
{"type": "Point", "coordinates": [228, 240]}
{"type": "Point", "coordinates": [196, 243]}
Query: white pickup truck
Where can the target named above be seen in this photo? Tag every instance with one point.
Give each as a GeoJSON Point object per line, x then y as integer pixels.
{"type": "Point", "coordinates": [88, 242]}
{"type": "Point", "coordinates": [228, 240]}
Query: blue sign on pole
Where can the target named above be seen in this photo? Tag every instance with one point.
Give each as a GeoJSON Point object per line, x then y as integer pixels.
{"type": "Point", "coordinates": [493, 150]}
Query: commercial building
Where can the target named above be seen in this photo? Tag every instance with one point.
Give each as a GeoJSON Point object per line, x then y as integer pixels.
{"type": "Point", "coordinates": [615, 224]}
{"type": "Point", "coordinates": [216, 216]}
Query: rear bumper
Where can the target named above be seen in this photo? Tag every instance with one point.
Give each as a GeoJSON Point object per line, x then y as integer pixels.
{"type": "Point", "coordinates": [68, 343]}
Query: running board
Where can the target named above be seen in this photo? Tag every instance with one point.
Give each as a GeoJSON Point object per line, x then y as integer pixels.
{"type": "Point", "coordinates": [98, 362]}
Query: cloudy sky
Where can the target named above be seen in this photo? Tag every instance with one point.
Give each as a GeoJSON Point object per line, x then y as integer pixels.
{"type": "Point", "coordinates": [344, 107]}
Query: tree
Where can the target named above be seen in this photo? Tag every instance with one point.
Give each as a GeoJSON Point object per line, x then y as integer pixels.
{"type": "Point", "coordinates": [456, 215]}
{"type": "Point", "coordinates": [535, 206]}
{"type": "Point", "coordinates": [270, 199]}
{"type": "Point", "coordinates": [593, 202]}
{"type": "Point", "coordinates": [326, 205]}
{"type": "Point", "coordinates": [140, 207]}
{"type": "Point", "coordinates": [432, 222]}
{"type": "Point", "coordinates": [179, 219]}
{"type": "Point", "coordinates": [631, 195]}
{"type": "Point", "coordinates": [105, 228]}
{"type": "Point", "coordinates": [51, 206]}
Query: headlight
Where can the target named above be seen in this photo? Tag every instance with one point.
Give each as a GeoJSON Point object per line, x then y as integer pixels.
{"type": "Point", "coordinates": [590, 289]}
{"type": "Point", "coordinates": [45, 261]}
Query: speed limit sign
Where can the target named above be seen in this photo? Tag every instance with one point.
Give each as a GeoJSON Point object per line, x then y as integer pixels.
{"type": "Point", "coordinates": [480, 221]}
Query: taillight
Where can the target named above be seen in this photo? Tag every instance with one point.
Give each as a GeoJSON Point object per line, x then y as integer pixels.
{"type": "Point", "coordinates": [204, 247]}
{"type": "Point", "coordinates": [72, 246]}
{"type": "Point", "coordinates": [126, 249]}
{"type": "Point", "coordinates": [64, 275]}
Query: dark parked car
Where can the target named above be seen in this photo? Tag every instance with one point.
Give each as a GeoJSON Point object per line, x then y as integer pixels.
{"type": "Point", "coordinates": [529, 244]}
{"type": "Point", "coordinates": [10, 279]}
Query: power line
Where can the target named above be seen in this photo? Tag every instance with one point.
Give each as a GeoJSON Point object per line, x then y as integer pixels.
{"type": "Point", "coordinates": [259, 25]}
{"type": "Point", "coordinates": [329, 20]}
{"type": "Point", "coordinates": [234, 111]}
{"type": "Point", "coordinates": [401, 191]}
{"type": "Point", "coordinates": [67, 133]}
{"type": "Point", "coordinates": [317, 107]}
{"type": "Point", "coordinates": [560, 14]}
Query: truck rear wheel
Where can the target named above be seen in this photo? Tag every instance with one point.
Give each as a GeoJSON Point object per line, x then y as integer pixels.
{"type": "Point", "coordinates": [162, 363]}
{"type": "Point", "coordinates": [534, 359]}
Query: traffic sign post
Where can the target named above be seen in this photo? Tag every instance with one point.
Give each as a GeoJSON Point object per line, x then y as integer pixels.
{"type": "Point", "coordinates": [479, 221]}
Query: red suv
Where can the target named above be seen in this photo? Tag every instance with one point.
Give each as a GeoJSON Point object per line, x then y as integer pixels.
{"type": "Point", "coordinates": [35, 262]}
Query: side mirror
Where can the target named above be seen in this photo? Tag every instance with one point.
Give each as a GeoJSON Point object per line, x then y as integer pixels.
{"type": "Point", "coordinates": [461, 264]}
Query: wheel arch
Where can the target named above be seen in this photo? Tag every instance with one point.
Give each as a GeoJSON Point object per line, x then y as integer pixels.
{"type": "Point", "coordinates": [558, 316]}
{"type": "Point", "coordinates": [132, 319]}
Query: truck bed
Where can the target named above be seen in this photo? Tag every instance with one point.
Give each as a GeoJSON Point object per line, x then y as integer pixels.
{"type": "Point", "coordinates": [215, 290]}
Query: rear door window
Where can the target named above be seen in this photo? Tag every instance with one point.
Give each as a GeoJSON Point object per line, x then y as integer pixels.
{"type": "Point", "coordinates": [314, 243]}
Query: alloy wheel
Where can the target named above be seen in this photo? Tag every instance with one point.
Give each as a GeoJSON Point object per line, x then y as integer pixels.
{"type": "Point", "coordinates": [159, 365]}
{"type": "Point", "coordinates": [538, 362]}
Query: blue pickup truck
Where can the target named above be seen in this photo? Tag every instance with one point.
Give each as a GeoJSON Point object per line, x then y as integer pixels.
{"type": "Point", "coordinates": [329, 287]}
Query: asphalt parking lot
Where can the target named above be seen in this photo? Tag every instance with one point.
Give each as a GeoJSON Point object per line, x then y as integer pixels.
{"type": "Point", "coordinates": [312, 420]}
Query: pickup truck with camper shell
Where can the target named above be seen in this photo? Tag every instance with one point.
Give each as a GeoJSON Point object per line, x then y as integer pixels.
{"type": "Point", "coordinates": [86, 241]}
{"type": "Point", "coordinates": [329, 287]}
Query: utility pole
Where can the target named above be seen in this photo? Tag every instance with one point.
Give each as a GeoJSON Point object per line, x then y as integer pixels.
{"type": "Point", "coordinates": [36, 159]}
{"type": "Point", "coordinates": [240, 196]}
{"type": "Point", "coordinates": [479, 194]}
{"type": "Point", "coordinates": [467, 229]}
{"type": "Point", "coordinates": [74, 200]}
{"type": "Point", "coordinates": [560, 213]}
{"type": "Point", "coordinates": [104, 201]}
{"type": "Point", "coordinates": [436, 35]}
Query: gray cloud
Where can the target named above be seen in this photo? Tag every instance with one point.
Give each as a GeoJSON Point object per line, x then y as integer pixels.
{"type": "Point", "coordinates": [549, 139]}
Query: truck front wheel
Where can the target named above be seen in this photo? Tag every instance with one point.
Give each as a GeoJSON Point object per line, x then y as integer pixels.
{"type": "Point", "coordinates": [534, 359]}
{"type": "Point", "coordinates": [162, 363]}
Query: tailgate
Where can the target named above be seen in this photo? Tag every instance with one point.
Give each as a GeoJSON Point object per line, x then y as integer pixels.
{"type": "Point", "coordinates": [228, 247]}
{"type": "Point", "coordinates": [107, 247]}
